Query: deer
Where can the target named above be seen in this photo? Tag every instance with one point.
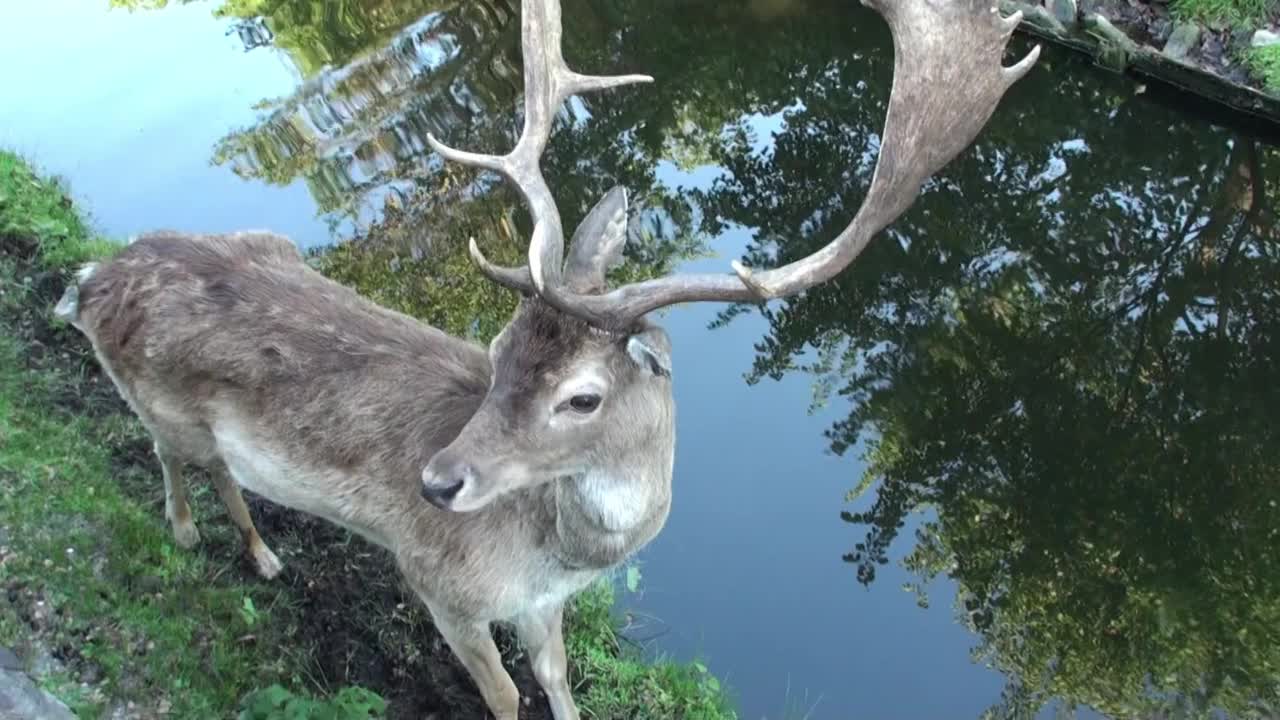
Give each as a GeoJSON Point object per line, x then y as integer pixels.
{"type": "Point", "coordinates": [502, 479]}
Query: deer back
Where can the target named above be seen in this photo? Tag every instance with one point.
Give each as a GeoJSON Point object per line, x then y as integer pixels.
{"type": "Point", "coordinates": [233, 349]}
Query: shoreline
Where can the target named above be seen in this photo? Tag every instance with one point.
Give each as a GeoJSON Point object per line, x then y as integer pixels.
{"type": "Point", "coordinates": [1210, 60]}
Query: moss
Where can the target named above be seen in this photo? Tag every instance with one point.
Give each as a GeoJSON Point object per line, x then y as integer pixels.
{"type": "Point", "coordinates": [1231, 12]}
{"type": "Point", "coordinates": [90, 566]}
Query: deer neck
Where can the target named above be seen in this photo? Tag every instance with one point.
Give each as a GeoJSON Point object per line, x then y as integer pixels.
{"type": "Point", "coordinates": [605, 515]}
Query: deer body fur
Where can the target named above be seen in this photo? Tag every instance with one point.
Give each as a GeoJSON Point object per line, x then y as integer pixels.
{"type": "Point", "coordinates": [240, 358]}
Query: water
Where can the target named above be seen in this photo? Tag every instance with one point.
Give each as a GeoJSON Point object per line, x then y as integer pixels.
{"type": "Point", "coordinates": [1062, 360]}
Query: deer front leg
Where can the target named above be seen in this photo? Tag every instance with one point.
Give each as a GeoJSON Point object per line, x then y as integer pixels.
{"type": "Point", "coordinates": [176, 508]}
{"type": "Point", "coordinates": [542, 634]}
{"type": "Point", "coordinates": [473, 644]}
{"type": "Point", "coordinates": [266, 562]}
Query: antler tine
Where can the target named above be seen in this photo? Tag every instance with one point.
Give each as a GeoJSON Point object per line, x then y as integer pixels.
{"type": "Point", "coordinates": [548, 82]}
{"type": "Point", "coordinates": [947, 82]}
{"type": "Point", "coordinates": [514, 278]}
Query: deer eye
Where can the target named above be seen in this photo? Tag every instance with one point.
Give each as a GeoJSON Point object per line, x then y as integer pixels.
{"type": "Point", "coordinates": [584, 403]}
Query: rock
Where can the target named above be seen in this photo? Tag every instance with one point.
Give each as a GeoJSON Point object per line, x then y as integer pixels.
{"type": "Point", "coordinates": [9, 661]}
{"type": "Point", "coordinates": [1161, 28]}
{"type": "Point", "coordinates": [1064, 11]}
{"type": "Point", "coordinates": [1185, 37]}
{"type": "Point", "coordinates": [1102, 28]}
{"type": "Point", "coordinates": [45, 663]}
{"type": "Point", "coordinates": [1264, 37]}
{"type": "Point", "coordinates": [20, 699]}
{"type": "Point", "coordinates": [1035, 16]}
{"type": "Point", "coordinates": [91, 674]}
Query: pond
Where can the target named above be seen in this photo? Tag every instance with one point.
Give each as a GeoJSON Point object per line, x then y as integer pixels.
{"type": "Point", "coordinates": [1022, 455]}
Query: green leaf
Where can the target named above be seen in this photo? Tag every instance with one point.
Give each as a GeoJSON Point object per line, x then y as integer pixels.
{"type": "Point", "coordinates": [633, 578]}
{"type": "Point", "coordinates": [248, 611]}
{"type": "Point", "coordinates": [264, 703]}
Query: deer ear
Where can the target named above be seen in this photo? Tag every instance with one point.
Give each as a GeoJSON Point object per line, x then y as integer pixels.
{"type": "Point", "coordinates": [597, 243]}
{"type": "Point", "coordinates": [651, 350]}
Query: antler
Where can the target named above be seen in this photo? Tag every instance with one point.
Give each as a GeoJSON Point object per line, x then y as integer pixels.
{"type": "Point", "coordinates": [548, 82]}
{"type": "Point", "coordinates": [948, 79]}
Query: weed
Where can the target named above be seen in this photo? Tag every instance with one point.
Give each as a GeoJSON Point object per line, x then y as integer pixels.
{"type": "Point", "coordinates": [277, 703]}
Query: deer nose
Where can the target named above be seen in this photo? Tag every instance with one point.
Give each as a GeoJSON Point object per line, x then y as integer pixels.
{"type": "Point", "coordinates": [440, 489]}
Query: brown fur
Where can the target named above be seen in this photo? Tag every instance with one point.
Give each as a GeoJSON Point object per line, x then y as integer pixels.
{"type": "Point", "coordinates": [238, 356]}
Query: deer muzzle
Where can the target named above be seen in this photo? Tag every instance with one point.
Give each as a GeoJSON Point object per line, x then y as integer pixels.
{"type": "Point", "coordinates": [444, 482]}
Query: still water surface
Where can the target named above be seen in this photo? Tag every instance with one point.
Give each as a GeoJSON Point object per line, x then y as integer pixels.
{"type": "Point", "coordinates": [1022, 454]}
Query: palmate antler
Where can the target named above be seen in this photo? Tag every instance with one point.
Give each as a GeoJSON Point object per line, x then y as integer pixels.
{"type": "Point", "coordinates": [947, 81]}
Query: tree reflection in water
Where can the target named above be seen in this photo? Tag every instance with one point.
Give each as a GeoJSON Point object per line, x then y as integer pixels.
{"type": "Point", "coordinates": [1067, 351]}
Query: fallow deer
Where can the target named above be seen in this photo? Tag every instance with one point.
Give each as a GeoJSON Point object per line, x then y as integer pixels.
{"type": "Point", "coordinates": [503, 479]}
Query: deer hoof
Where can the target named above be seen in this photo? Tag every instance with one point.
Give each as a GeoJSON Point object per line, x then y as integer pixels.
{"type": "Point", "coordinates": [186, 534]}
{"type": "Point", "coordinates": [268, 565]}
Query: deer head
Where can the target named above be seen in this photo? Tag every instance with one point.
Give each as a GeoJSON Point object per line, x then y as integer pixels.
{"type": "Point", "coordinates": [566, 397]}
{"type": "Point", "coordinates": [578, 361]}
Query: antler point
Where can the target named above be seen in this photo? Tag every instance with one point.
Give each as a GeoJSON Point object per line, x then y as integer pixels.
{"type": "Point", "coordinates": [476, 255]}
{"type": "Point", "coordinates": [1014, 72]}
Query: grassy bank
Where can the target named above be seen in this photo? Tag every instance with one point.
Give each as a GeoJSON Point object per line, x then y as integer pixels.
{"type": "Point", "coordinates": [1238, 17]}
{"type": "Point", "coordinates": [109, 614]}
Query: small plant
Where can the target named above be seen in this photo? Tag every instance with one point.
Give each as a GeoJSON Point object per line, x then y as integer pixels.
{"type": "Point", "coordinates": [248, 612]}
{"type": "Point", "coordinates": [633, 578]}
{"type": "Point", "coordinates": [277, 703]}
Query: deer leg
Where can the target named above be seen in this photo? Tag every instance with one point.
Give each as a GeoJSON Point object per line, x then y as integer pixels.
{"type": "Point", "coordinates": [542, 634]}
{"type": "Point", "coordinates": [176, 508]}
{"type": "Point", "coordinates": [264, 560]}
{"type": "Point", "coordinates": [474, 646]}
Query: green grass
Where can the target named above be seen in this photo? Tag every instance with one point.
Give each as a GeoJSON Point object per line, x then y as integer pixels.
{"type": "Point", "coordinates": [1231, 12]}
{"type": "Point", "coordinates": [1264, 62]}
{"type": "Point", "coordinates": [619, 682]}
{"type": "Point", "coordinates": [131, 602]}
{"type": "Point", "coordinates": [86, 542]}
{"type": "Point", "coordinates": [83, 535]}
{"type": "Point", "coordinates": [37, 208]}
